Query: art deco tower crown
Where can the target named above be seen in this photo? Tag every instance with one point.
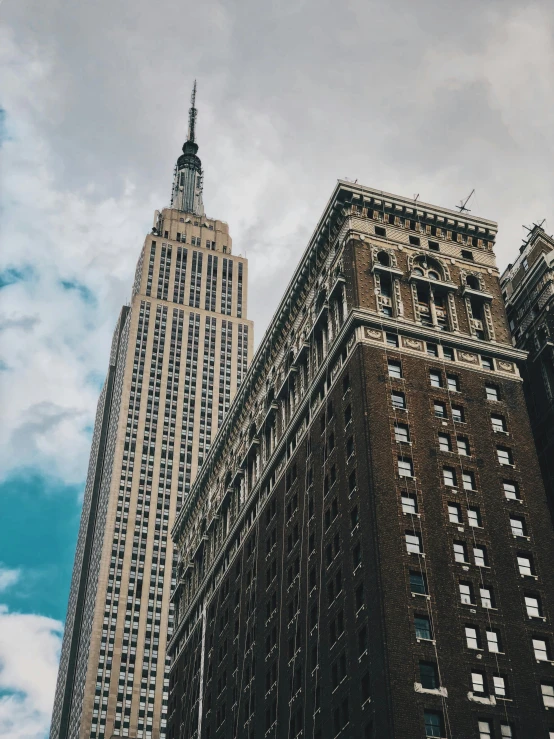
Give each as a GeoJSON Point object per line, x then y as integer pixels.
{"type": "Point", "coordinates": [187, 182]}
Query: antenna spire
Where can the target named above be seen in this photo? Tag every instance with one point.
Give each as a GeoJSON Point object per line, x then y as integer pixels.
{"type": "Point", "coordinates": [192, 115]}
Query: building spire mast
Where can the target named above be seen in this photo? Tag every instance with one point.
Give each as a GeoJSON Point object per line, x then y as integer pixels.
{"type": "Point", "coordinates": [186, 194]}
{"type": "Point", "coordinates": [192, 115]}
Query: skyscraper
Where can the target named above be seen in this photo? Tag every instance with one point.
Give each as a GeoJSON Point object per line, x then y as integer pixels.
{"type": "Point", "coordinates": [528, 289]}
{"type": "Point", "coordinates": [180, 351]}
{"type": "Point", "coordinates": [367, 551]}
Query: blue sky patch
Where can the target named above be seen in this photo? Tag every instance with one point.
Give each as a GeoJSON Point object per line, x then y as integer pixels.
{"type": "Point", "coordinates": [40, 521]}
{"type": "Point", "coordinates": [85, 294]}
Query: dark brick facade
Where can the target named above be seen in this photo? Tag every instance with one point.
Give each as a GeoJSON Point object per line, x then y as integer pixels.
{"type": "Point", "coordinates": [311, 616]}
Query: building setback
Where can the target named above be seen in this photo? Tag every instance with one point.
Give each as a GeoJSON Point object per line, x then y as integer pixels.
{"type": "Point", "coordinates": [179, 353]}
{"type": "Point", "coordinates": [366, 551]}
{"type": "Point", "coordinates": [528, 289]}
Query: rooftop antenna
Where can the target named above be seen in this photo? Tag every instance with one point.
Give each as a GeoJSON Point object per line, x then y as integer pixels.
{"type": "Point", "coordinates": [192, 115]}
{"type": "Point", "coordinates": [462, 207]}
{"type": "Point", "coordinates": [416, 197]}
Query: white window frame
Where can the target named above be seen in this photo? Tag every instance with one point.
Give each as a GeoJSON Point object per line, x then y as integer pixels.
{"type": "Point", "coordinates": [468, 480]}
{"type": "Point", "coordinates": [439, 409]}
{"type": "Point", "coordinates": [485, 731]}
{"type": "Point", "coordinates": [474, 517]}
{"type": "Point", "coordinates": [547, 691]}
{"type": "Point", "coordinates": [452, 384]}
{"type": "Point", "coordinates": [509, 493]}
{"type": "Point", "coordinates": [478, 683]}
{"type": "Point", "coordinates": [454, 514]}
{"type": "Point", "coordinates": [472, 637]}
{"type": "Point", "coordinates": [444, 443]}
{"type": "Point", "coordinates": [413, 543]}
{"type": "Point", "coordinates": [506, 731]}
{"type": "Point", "coordinates": [457, 415]}
{"type": "Point", "coordinates": [405, 467]}
{"type": "Point", "coordinates": [486, 600]}
{"type": "Point", "coordinates": [435, 378]}
{"type": "Point", "coordinates": [516, 525]}
{"type": "Point", "coordinates": [493, 642]}
{"type": "Point", "coordinates": [465, 594]}
{"type": "Point", "coordinates": [540, 648]}
{"type": "Point", "coordinates": [504, 457]}
{"type": "Point", "coordinates": [532, 606]}
{"type": "Point", "coordinates": [463, 446]}
{"type": "Point", "coordinates": [479, 556]}
{"type": "Point", "coordinates": [460, 551]}
{"type": "Point", "coordinates": [498, 424]}
{"type": "Point", "coordinates": [400, 397]}
{"type": "Point", "coordinates": [409, 504]}
{"type": "Point", "coordinates": [449, 477]}
{"type": "Point", "coordinates": [405, 430]}
{"type": "Point", "coordinates": [493, 395]}
{"type": "Point", "coordinates": [525, 565]}
{"type": "Point", "coordinates": [499, 686]}
{"type": "Point", "coordinates": [395, 369]}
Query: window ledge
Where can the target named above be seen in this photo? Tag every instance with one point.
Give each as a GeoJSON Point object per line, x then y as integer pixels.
{"type": "Point", "coordinates": [537, 618]}
{"type": "Point", "coordinates": [425, 641]}
{"type": "Point", "coordinates": [409, 513]}
{"type": "Point", "coordinates": [519, 536]}
{"type": "Point", "coordinates": [533, 577]}
{"type": "Point", "coordinates": [418, 687]}
{"type": "Point", "coordinates": [421, 595]}
{"type": "Point", "coordinates": [485, 700]}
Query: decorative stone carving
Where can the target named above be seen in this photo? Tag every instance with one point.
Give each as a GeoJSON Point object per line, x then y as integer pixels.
{"type": "Point", "coordinates": [452, 312]}
{"type": "Point", "coordinates": [505, 366]}
{"type": "Point", "coordinates": [373, 333]}
{"type": "Point", "coordinates": [468, 357]}
{"type": "Point", "coordinates": [412, 343]}
{"type": "Point", "coordinates": [415, 302]}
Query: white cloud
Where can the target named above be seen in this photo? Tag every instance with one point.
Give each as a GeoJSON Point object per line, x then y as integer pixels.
{"type": "Point", "coordinates": [29, 651]}
{"type": "Point", "coordinates": [8, 577]}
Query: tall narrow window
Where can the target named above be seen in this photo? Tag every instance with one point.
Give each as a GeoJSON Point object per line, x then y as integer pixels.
{"type": "Point", "coordinates": [511, 490]}
{"type": "Point", "coordinates": [434, 725]}
{"type": "Point", "coordinates": [474, 517]}
{"type": "Point", "coordinates": [435, 378]}
{"type": "Point", "coordinates": [409, 504]}
{"type": "Point", "coordinates": [498, 424]}
{"type": "Point", "coordinates": [491, 392]}
{"type": "Point", "coordinates": [472, 637]}
{"type": "Point", "coordinates": [478, 683]}
{"type": "Point", "coordinates": [525, 565]}
{"type": "Point", "coordinates": [422, 627]}
{"type": "Point", "coordinates": [533, 606]}
{"type": "Point", "coordinates": [418, 584]}
{"type": "Point", "coordinates": [518, 527]}
{"type": "Point", "coordinates": [405, 467]}
{"type": "Point", "coordinates": [540, 648]}
{"type": "Point", "coordinates": [449, 476]}
{"type": "Point", "coordinates": [413, 542]}
{"type": "Point", "coordinates": [504, 456]}
{"type": "Point", "coordinates": [401, 432]}
{"type": "Point", "coordinates": [499, 685]}
{"type": "Point", "coordinates": [460, 551]}
{"type": "Point", "coordinates": [428, 675]}
{"type": "Point", "coordinates": [480, 556]}
{"type": "Point", "coordinates": [485, 729]}
{"type": "Point", "coordinates": [466, 593]}
{"type": "Point", "coordinates": [444, 443]}
{"type": "Point", "coordinates": [454, 513]}
{"type": "Point", "coordinates": [395, 369]}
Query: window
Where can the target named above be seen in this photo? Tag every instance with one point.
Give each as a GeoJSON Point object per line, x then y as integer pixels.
{"type": "Point", "coordinates": [493, 641]}
{"type": "Point", "coordinates": [485, 729]}
{"type": "Point", "coordinates": [444, 443]}
{"type": "Point", "coordinates": [460, 552]}
{"type": "Point", "coordinates": [491, 392]}
{"type": "Point", "coordinates": [547, 690]}
{"type": "Point", "coordinates": [435, 378]}
{"type": "Point", "coordinates": [511, 490]}
{"type": "Point", "coordinates": [454, 513]}
{"type": "Point", "coordinates": [347, 415]}
{"type": "Point", "coordinates": [478, 682]}
{"type": "Point", "coordinates": [398, 400]}
{"type": "Point", "coordinates": [380, 231]}
{"type": "Point", "coordinates": [498, 424]}
{"type": "Point", "coordinates": [405, 467]}
{"type": "Point", "coordinates": [472, 637]}
{"type": "Point", "coordinates": [409, 504]}
{"type": "Point", "coordinates": [440, 409]}
{"type": "Point", "coordinates": [466, 254]}
{"type": "Point", "coordinates": [422, 627]}
{"type": "Point", "coordinates": [487, 363]}
{"type": "Point", "coordinates": [466, 593]}
{"type": "Point", "coordinates": [395, 370]}
{"type": "Point", "coordinates": [418, 583]}
{"type": "Point", "coordinates": [540, 647]}
{"type": "Point", "coordinates": [468, 479]}
{"type": "Point", "coordinates": [480, 556]}
{"type": "Point", "coordinates": [453, 383]}
{"type": "Point", "coordinates": [499, 685]}
{"type": "Point", "coordinates": [414, 240]}
{"type": "Point", "coordinates": [434, 245]}
{"type": "Point", "coordinates": [434, 725]}
{"type": "Point", "coordinates": [458, 414]}
{"type": "Point", "coordinates": [413, 542]}
{"type": "Point", "coordinates": [474, 517]}
{"type": "Point", "coordinates": [449, 476]}
{"type": "Point", "coordinates": [401, 432]}
{"type": "Point", "coordinates": [525, 564]}
{"type": "Point", "coordinates": [463, 445]}
{"type": "Point", "coordinates": [354, 518]}
{"type": "Point", "coordinates": [533, 606]}
{"type": "Point", "coordinates": [392, 339]}
{"type": "Point", "coordinates": [504, 456]}
{"type": "Point", "coordinates": [448, 353]}
{"type": "Point", "coordinates": [432, 350]}
{"type": "Point", "coordinates": [506, 731]}
{"type": "Point", "coordinates": [486, 597]}
{"type": "Point", "coordinates": [428, 675]}
{"type": "Point", "coordinates": [518, 527]}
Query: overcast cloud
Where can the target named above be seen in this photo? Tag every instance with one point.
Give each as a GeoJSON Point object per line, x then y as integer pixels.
{"type": "Point", "coordinates": [434, 98]}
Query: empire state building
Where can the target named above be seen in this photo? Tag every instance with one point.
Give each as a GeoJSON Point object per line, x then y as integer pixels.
{"type": "Point", "coordinates": [179, 352]}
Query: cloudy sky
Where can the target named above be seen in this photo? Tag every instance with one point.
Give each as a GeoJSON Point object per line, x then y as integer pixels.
{"type": "Point", "coordinates": [432, 97]}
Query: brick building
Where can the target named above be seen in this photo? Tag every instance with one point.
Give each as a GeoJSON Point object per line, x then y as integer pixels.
{"type": "Point", "coordinates": [366, 551]}
{"type": "Point", "coordinates": [528, 289]}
